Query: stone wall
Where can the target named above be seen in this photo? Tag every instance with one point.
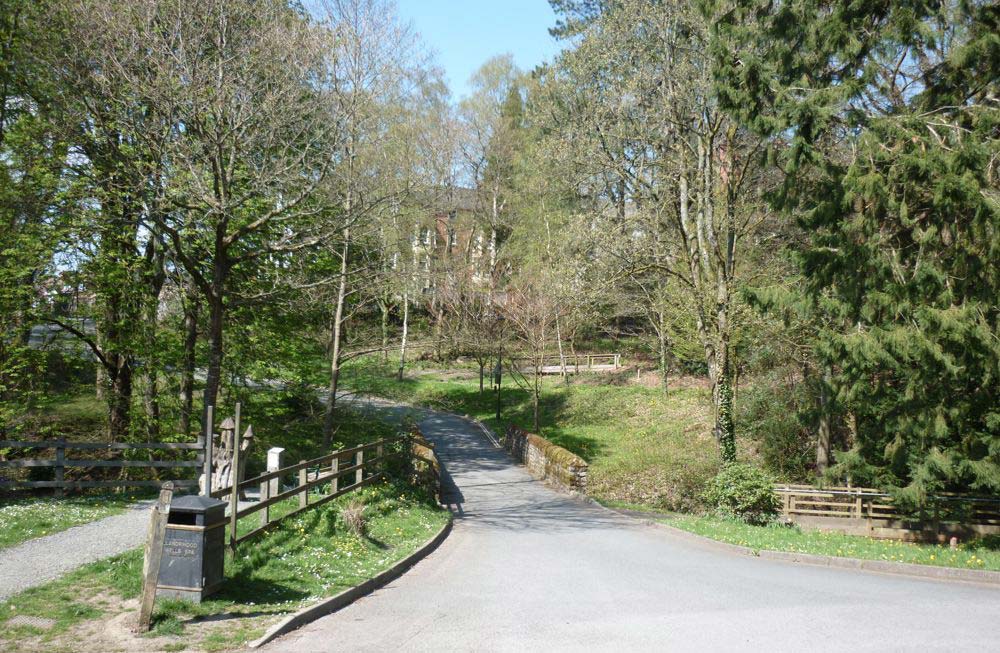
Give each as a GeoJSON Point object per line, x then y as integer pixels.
{"type": "Point", "coordinates": [547, 461]}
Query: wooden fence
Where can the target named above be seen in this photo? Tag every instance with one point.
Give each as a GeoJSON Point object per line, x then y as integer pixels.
{"type": "Point", "coordinates": [358, 466]}
{"type": "Point", "coordinates": [60, 462]}
{"type": "Point", "coordinates": [572, 362]}
{"type": "Point", "coordinates": [876, 510]}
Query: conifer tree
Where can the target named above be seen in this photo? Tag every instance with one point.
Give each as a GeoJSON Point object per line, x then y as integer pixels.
{"type": "Point", "coordinates": [885, 118]}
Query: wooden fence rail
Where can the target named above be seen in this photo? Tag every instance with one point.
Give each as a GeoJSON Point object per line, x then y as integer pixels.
{"type": "Point", "coordinates": [572, 362]}
{"type": "Point", "coordinates": [871, 504]}
{"type": "Point", "coordinates": [326, 470]}
{"type": "Point", "coordinates": [60, 463]}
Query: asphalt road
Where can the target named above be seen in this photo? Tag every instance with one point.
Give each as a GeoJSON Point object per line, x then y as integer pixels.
{"type": "Point", "coordinates": [528, 569]}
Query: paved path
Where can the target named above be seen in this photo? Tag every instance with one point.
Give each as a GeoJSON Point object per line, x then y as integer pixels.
{"type": "Point", "coordinates": [527, 569]}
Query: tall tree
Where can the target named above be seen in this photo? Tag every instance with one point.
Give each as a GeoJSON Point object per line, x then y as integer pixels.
{"type": "Point", "coordinates": [890, 117]}
{"type": "Point", "coordinates": [674, 183]}
{"type": "Point", "coordinates": [244, 174]}
{"type": "Point", "coordinates": [31, 162]}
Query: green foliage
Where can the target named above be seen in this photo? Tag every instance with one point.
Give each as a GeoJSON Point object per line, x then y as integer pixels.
{"type": "Point", "coordinates": [30, 158]}
{"type": "Point", "coordinates": [775, 412]}
{"type": "Point", "coordinates": [883, 119]}
{"type": "Point", "coordinates": [744, 492]}
{"type": "Point", "coordinates": [916, 270]}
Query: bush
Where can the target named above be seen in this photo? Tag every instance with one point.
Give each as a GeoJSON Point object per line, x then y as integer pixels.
{"type": "Point", "coordinates": [744, 492]}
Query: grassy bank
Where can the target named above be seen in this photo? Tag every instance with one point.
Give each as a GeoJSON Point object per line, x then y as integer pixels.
{"type": "Point", "coordinates": [308, 557]}
{"type": "Point", "coordinates": [643, 447]}
{"type": "Point", "coordinates": [978, 554]}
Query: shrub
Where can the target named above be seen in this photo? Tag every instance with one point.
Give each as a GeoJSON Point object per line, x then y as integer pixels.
{"type": "Point", "coordinates": [353, 515]}
{"type": "Point", "coordinates": [776, 411]}
{"type": "Point", "coordinates": [744, 492]}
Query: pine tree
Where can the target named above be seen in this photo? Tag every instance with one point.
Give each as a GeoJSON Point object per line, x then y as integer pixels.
{"type": "Point", "coordinates": [884, 116]}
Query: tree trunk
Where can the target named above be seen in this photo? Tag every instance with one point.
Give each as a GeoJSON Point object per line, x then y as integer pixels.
{"type": "Point", "coordinates": [725, 431]}
{"type": "Point", "coordinates": [439, 334]}
{"type": "Point", "coordinates": [191, 306]}
{"type": "Point", "coordinates": [536, 391]}
{"type": "Point", "coordinates": [213, 375]}
{"type": "Point", "coordinates": [402, 347]}
{"type": "Point", "coordinates": [384, 308]}
{"type": "Point", "coordinates": [559, 343]}
{"type": "Point", "coordinates": [493, 236]}
{"type": "Point", "coordinates": [120, 400]}
{"type": "Point", "coordinates": [664, 354]}
{"type": "Point", "coordinates": [151, 393]}
{"type": "Point", "coordinates": [101, 382]}
{"type": "Point", "coordinates": [482, 373]}
{"type": "Point", "coordinates": [336, 331]}
{"type": "Point", "coordinates": [151, 400]}
{"type": "Point", "coordinates": [823, 440]}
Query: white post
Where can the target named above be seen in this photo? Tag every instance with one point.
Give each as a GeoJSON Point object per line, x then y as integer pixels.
{"type": "Point", "coordinates": [274, 455]}
{"type": "Point", "coordinates": [272, 487]}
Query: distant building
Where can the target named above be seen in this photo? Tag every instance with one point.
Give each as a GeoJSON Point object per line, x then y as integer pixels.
{"type": "Point", "coordinates": [451, 243]}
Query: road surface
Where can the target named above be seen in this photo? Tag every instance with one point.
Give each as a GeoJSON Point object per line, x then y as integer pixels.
{"type": "Point", "coordinates": [528, 569]}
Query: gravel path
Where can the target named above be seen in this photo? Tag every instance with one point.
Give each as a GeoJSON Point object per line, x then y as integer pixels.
{"type": "Point", "coordinates": [43, 559]}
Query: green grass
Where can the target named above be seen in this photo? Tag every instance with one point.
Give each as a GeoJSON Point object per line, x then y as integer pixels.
{"type": "Point", "coordinates": [643, 447]}
{"type": "Point", "coordinates": [26, 518]}
{"type": "Point", "coordinates": [309, 556]}
{"type": "Point", "coordinates": [977, 554]}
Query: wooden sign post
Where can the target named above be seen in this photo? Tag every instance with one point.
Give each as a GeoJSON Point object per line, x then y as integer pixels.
{"type": "Point", "coordinates": [234, 497]}
{"type": "Point", "coordinates": [154, 553]}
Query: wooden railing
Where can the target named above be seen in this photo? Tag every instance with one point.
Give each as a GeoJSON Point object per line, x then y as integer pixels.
{"type": "Point", "coordinates": [59, 463]}
{"type": "Point", "coordinates": [359, 466]}
{"type": "Point", "coordinates": [574, 362]}
{"type": "Point", "coordinates": [868, 503]}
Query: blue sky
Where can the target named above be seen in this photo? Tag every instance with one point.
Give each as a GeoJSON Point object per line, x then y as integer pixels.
{"type": "Point", "coordinates": [464, 34]}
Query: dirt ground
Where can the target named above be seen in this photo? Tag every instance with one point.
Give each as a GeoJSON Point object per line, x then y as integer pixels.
{"type": "Point", "coordinates": [113, 632]}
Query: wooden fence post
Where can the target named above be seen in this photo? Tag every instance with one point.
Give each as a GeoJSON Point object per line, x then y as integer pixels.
{"type": "Point", "coordinates": [303, 480]}
{"type": "Point", "coordinates": [234, 474]}
{"type": "Point", "coordinates": [234, 496]}
{"type": "Point", "coordinates": [61, 467]}
{"type": "Point", "coordinates": [360, 474]}
{"type": "Point", "coordinates": [264, 496]}
{"type": "Point", "coordinates": [154, 554]}
{"type": "Point", "coordinates": [378, 454]}
{"type": "Point", "coordinates": [335, 481]}
{"type": "Point", "coordinates": [209, 427]}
